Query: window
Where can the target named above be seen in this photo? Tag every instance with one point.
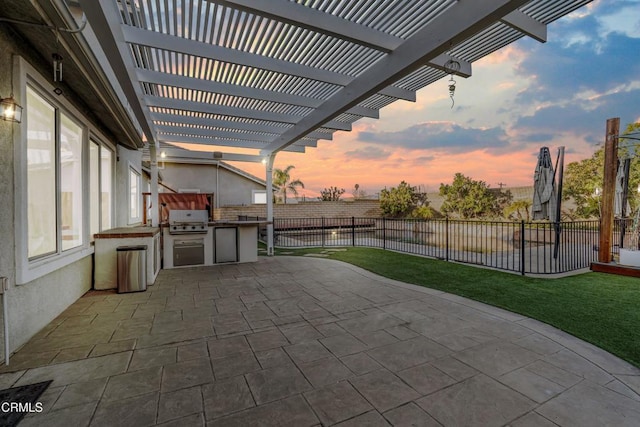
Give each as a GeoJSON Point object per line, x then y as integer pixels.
{"type": "Point", "coordinates": [51, 154]}
{"type": "Point", "coordinates": [259, 197]}
{"type": "Point", "coordinates": [64, 181]}
{"type": "Point", "coordinates": [134, 196]}
{"type": "Point", "coordinates": [100, 184]}
{"type": "Point", "coordinates": [71, 141]}
{"type": "Point", "coordinates": [41, 176]}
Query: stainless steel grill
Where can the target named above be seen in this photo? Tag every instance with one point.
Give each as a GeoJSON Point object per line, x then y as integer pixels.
{"type": "Point", "coordinates": [188, 221]}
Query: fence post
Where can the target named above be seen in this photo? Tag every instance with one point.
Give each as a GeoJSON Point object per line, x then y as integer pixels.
{"type": "Point", "coordinates": [353, 231]}
{"type": "Point", "coordinates": [446, 238]}
{"type": "Point", "coordinates": [384, 233]}
{"type": "Point", "coordinates": [522, 251]}
{"type": "Point", "coordinates": [322, 230]}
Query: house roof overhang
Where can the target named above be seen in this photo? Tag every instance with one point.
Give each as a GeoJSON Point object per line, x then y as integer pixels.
{"type": "Point", "coordinates": [248, 78]}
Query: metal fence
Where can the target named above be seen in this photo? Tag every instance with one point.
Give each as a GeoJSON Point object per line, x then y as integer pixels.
{"type": "Point", "coordinates": [523, 247]}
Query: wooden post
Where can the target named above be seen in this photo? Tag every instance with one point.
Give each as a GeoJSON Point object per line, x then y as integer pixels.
{"type": "Point", "coordinates": [608, 189]}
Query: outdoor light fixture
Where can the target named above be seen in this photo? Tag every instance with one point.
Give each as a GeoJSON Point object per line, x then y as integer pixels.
{"type": "Point", "coordinates": [57, 67]}
{"type": "Point", "coordinates": [10, 110]}
{"type": "Point", "coordinates": [452, 67]}
{"type": "Point", "coordinates": [163, 155]}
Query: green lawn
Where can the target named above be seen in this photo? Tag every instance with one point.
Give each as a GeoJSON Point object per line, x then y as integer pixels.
{"type": "Point", "coordinates": [599, 308]}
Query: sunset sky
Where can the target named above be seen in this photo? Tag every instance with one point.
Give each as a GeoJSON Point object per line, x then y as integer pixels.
{"type": "Point", "coordinates": [518, 99]}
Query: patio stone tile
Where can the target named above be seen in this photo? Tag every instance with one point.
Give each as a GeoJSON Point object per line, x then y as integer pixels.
{"type": "Point", "coordinates": [192, 351]}
{"type": "Point", "coordinates": [73, 416]}
{"type": "Point", "coordinates": [535, 387]}
{"type": "Point", "coordinates": [553, 373]}
{"type": "Point", "coordinates": [172, 337]}
{"type": "Point", "coordinates": [195, 420]}
{"type": "Point", "coordinates": [135, 412]}
{"type": "Point", "coordinates": [129, 332]}
{"type": "Point", "coordinates": [410, 415]}
{"type": "Point", "coordinates": [360, 363]}
{"type": "Point", "coordinates": [260, 324]}
{"type": "Point", "coordinates": [373, 322]}
{"type": "Point", "coordinates": [71, 354]}
{"type": "Point", "coordinates": [532, 419]}
{"type": "Point", "coordinates": [426, 379]}
{"type": "Point", "coordinates": [227, 346]}
{"type": "Point", "coordinates": [225, 397]}
{"type": "Point", "coordinates": [632, 381]}
{"type": "Point", "coordinates": [402, 332]}
{"type": "Point", "coordinates": [79, 370]}
{"type": "Point", "coordinates": [186, 374]}
{"type": "Point", "coordinates": [624, 389]}
{"type": "Point", "coordinates": [272, 358]}
{"type": "Point", "coordinates": [376, 339]}
{"type": "Point", "coordinates": [404, 354]}
{"type": "Point", "coordinates": [307, 351]}
{"type": "Point", "coordinates": [454, 368]}
{"type": "Point", "coordinates": [479, 400]}
{"type": "Point", "coordinates": [325, 371]}
{"type": "Point", "coordinates": [575, 364]}
{"type": "Point", "coordinates": [370, 419]}
{"type": "Point", "coordinates": [133, 384]}
{"type": "Point", "coordinates": [112, 347]}
{"type": "Point", "coordinates": [383, 389]}
{"type": "Point", "coordinates": [26, 360]}
{"type": "Point", "coordinates": [236, 364]}
{"type": "Point", "coordinates": [178, 404]}
{"type": "Point", "coordinates": [8, 379]}
{"type": "Point", "coordinates": [330, 329]}
{"type": "Point", "coordinates": [301, 334]}
{"type": "Point", "coordinates": [49, 398]}
{"type": "Point", "coordinates": [288, 320]}
{"type": "Point", "coordinates": [81, 393]}
{"type": "Point", "coordinates": [343, 345]}
{"type": "Point", "coordinates": [231, 327]}
{"type": "Point", "coordinates": [337, 402]}
{"type": "Point", "coordinates": [591, 404]}
{"type": "Point", "coordinates": [276, 383]}
{"type": "Point", "coordinates": [538, 344]}
{"type": "Point", "coordinates": [291, 412]}
{"type": "Point", "coordinates": [267, 340]}
{"type": "Point", "coordinates": [497, 358]}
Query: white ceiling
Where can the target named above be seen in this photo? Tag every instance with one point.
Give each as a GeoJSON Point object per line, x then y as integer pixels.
{"type": "Point", "coordinates": [271, 75]}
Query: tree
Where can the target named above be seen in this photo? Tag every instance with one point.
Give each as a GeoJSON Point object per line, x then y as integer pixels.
{"type": "Point", "coordinates": [583, 180]}
{"type": "Point", "coordinates": [282, 180]}
{"type": "Point", "coordinates": [331, 194]}
{"type": "Point", "coordinates": [518, 210]}
{"type": "Point", "coordinates": [404, 200]}
{"type": "Point", "coordinates": [468, 198]}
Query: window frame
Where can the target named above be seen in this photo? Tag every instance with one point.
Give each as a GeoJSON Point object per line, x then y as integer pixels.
{"type": "Point", "coordinates": [28, 270]}
{"type": "Point", "coordinates": [131, 220]}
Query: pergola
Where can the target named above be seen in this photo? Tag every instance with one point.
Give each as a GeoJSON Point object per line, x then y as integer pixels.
{"type": "Point", "coordinates": [266, 76]}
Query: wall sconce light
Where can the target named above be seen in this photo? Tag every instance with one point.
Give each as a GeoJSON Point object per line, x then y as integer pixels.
{"type": "Point", "coordinates": [10, 110]}
{"type": "Point", "coordinates": [163, 154]}
{"type": "Point", "coordinates": [57, 67]}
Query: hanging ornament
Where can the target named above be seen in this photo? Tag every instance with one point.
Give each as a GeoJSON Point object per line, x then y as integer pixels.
{"type": "Point", "coordinates": [452, 67]}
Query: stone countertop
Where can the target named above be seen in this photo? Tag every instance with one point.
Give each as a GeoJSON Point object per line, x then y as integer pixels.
{"type": "Point", "coordinates": [127, 232]}
{"type": "Point", "coordinates": [239, 223]}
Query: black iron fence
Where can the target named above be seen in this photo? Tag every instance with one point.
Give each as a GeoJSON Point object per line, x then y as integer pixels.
{"type": "Point", "coordinates": [523, 247]}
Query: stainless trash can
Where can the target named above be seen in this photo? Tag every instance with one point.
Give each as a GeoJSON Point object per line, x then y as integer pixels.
{"type": "Point", "coordinates": [132, 268]}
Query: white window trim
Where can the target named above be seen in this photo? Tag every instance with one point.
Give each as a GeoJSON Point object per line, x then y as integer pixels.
{"type": "Point", "coordinates": [130, 219]}
{"type": "Point", "coordinates": [29, 270]}
{"type": "Point", "coordinates": [253, 197]}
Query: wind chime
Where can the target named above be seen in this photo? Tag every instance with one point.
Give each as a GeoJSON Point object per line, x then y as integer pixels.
{"type": "Point", "coordinates": [452, 67]}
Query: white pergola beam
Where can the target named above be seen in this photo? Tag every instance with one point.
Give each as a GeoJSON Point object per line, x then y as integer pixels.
{"type": "Point", "coordinates": [105, 23]}
{"type": "Point", "coordinates": [527, 25]}
{"type": "Point", "coordinates": [182, 155]}
{"type": "Point", "coordinates": [176, 139]}
{"type": "Point", "coordinates": [230, 134]}
{"type": "Point", "coordinates": [461, 21]}
{"type": "Point", "coordinates": [314, 20]}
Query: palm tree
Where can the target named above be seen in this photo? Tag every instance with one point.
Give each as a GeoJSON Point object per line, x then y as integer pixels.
{"type": "Point", "coordinates": [282, 180]}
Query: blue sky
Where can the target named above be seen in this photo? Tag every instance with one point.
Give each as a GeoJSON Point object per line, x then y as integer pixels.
{"type": "Point", "coordinates": [521, 98]}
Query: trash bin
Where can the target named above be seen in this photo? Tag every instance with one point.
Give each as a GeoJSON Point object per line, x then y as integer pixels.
{"type": "Point", "coordinates": [132, 268]}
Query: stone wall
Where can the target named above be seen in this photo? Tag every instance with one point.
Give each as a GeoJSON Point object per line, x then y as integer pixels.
{"type": "Point", "coordinates": [316, 209]}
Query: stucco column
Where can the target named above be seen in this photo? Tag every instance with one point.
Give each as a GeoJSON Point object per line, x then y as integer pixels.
{"type": "Point", "coordinates": [269, 178]}
{"type": "Point", "coordinates": [153, 154]}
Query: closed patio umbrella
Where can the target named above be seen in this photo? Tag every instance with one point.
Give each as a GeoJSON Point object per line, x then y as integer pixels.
{"type": "Point", "coordinates": [620, 201]}
{"type": "Point", "coordinates": [544, 188]}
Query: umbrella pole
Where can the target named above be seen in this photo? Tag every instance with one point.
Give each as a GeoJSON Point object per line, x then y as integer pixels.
{"type": "Point", "coordinates": [560, 169]}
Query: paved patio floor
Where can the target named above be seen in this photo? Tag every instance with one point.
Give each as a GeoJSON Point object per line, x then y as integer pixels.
{"type": "Point", "coordinates": [303, 342]}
